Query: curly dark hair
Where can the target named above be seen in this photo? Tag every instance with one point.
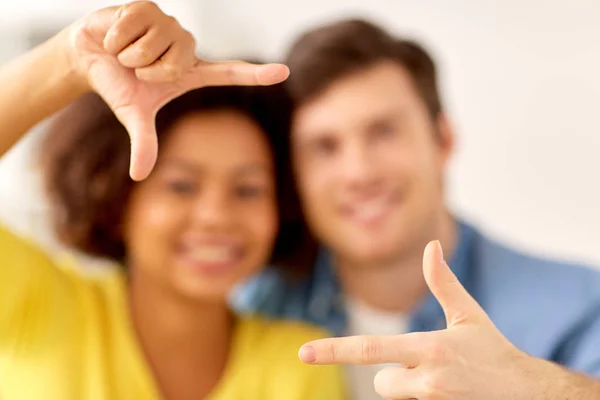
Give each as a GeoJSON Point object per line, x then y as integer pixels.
{"type": "Point", "coordinates": [85, 160]}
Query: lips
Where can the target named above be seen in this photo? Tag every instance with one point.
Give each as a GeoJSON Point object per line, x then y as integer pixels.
{"type": "Point", "coordinates": [211, 257]}
{"type": "Point", "coordinates": [372, 211]}
{"type": "Point", "coordinates": [212, 254]}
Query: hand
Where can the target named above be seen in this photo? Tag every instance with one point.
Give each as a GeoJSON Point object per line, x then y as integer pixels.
{"type": "Point", "coordinates": [469, 360]}
{"type": "Point", "coordinates": [138, 59]}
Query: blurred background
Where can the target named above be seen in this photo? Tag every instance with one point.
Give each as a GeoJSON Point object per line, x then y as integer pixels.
{"type": "Point", "coordinates": [519, 78]}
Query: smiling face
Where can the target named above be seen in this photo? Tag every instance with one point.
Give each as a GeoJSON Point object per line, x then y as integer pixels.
{"type": "Point", "coordinates": [206, 218]}
{"type": "Point", "coordinates": [370, 162]}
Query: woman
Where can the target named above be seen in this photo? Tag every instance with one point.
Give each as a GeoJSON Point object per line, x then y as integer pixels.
{"type": "Point", "coordinates": [205, 219]}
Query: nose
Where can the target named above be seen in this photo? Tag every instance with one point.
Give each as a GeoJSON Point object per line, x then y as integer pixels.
{"type": "Point", "coordinates": [211, 209]}
{"type": "Point", "coordinates": [359, 166]}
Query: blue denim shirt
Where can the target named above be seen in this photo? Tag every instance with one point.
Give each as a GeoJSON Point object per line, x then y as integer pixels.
{"type": "Point", "coordinates": [548, 309]}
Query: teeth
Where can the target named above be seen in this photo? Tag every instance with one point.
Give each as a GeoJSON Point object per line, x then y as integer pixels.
{"type": "Point", "coordinates": [370, 211]}
{"type": "Point", "coordinates": [212, 254]}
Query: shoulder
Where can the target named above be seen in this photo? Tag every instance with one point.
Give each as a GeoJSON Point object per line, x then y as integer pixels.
{"type": "Point", "coordinates": [535, 274]}
{"type": "Point", "coordinates": [15, 248]}
{"type": "Point", "coordinates": [33, 279]}
{"type": "Point", "coordinates": [267, 332]}
{"type": "Point", "coordinates": [40, 294]}
{"type": "Point", "coordinates": [535, 301]}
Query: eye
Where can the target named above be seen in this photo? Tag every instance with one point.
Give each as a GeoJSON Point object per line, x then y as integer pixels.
{"type": "Point", "coordinates": [249, 191]}
{"type": "Point", "coordinates": [325, 146]}
{"type": "Point", "coordinates": [182, 187]}
{"type": "Point", "coordinates": [384, 130]}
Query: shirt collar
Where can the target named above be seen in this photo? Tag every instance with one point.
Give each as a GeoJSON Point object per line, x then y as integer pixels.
{"type": "Point", "coordinates": [325, 305]}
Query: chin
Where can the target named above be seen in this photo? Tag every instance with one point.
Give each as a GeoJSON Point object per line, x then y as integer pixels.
{"type": "Point", "coordinates": [369, 257]}
{"type": "Point", "coordinates": [204, 291]}
{"type": "Point", "coordinates": [209, 283]}
{"type": "Point", "coordinates": [369, 251]}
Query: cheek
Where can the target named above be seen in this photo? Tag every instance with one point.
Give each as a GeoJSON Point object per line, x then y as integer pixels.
{"type": "Point", "coordinates": [261, 223]}
{"type": "Point", "coordinates": [315, 188]}
{"type": "Point", "coordinates": [152, 228]}
{"type": "Point", "coordinates": [413, 162]}
{"type": "Point", "coordinates": [313, 179]}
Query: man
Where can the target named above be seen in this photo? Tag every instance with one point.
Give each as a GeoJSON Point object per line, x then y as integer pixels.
{"type": "Point", "coordinates": [370, 144]}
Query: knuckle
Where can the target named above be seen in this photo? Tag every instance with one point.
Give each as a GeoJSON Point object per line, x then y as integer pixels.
{"type": "Point", "coordinates": [135, 57]}
{"type": "Point", "coordinates": [126, 10]}
{"type": "Point", "coordinates": [146, 5]}
{"type": "Point", "coordinates": [118, 31]}
{"type": "Point", "coordinates": [171, 72]}
{"type": "Point", "coordinates": [171, 21]}
{"type": "Point", "coordinates": [138, 8]}
{"type": "Point", "coordinates": [231, 74]}
{"type": "Point", "coordinates": [439, 353]}
{"type": "Point", "coordinates": [369, 350]}
{"type": "Point", "coordinates": [385, 382]}
{"type": "Point", "coordinates": [145, 75]}
{"type": "Point", "coordinates": [434, 386]}
{"type": "Point", "coordinates": [189, 39]}
{"type": "Point", "coordinates": [143, 55]}
{"type": "Point", "coordinates": [331, 351]}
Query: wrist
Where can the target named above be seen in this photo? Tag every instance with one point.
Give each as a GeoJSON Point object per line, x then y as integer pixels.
{"type": "Point", "coordinates": [544, 380]}
{"type": "Point", "coordinates": [66, 64]}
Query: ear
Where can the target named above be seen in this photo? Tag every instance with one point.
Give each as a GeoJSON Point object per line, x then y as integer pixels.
{"type": "Point", "coordinates": [446, 137]}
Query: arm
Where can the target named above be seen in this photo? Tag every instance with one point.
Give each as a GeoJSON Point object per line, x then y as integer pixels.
{"type": "Point", "coordinates": [111, 52]}
{"type": "Point", "coordinates": [34, 86]}
{"type": "Point", "coordinates": [30, 282]}
{"type": "Point", "coordinates": [552, 382]}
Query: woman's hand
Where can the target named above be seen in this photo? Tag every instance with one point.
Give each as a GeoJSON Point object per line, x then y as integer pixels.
{"type": "Point", "coordinates": [138, 59]}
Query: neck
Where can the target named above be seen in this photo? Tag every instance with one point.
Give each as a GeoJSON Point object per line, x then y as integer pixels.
{"type": "Point", "coordinates": [180, 337]}
{"type": "Point", "coordinates": [398, 285]}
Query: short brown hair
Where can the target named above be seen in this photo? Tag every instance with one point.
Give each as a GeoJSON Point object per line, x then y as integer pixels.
{"type": "Point", "coordinates": [330, 52]}
{"type": "Point", "coordinates": [85, 160]}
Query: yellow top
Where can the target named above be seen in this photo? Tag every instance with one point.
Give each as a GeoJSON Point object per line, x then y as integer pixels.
{"type": "Point", "coordinates": [64, 336]}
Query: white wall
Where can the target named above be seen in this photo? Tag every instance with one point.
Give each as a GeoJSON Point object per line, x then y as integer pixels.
{"type": "Point", "coordinates": [520, 79]}
{"type": "Point", "coordinates": [22, 205]}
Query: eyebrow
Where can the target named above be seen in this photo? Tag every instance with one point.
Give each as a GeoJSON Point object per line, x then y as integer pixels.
{"type": "Point", "coordinates": [249, 168]}
{"type": "Point", "coordinates": [308, 137]}
{"type": "Point", "coordinates": [386, 116]}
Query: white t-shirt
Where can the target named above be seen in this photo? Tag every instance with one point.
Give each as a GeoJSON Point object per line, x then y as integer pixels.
{"type": "Point", "coordinates": [364, 320]}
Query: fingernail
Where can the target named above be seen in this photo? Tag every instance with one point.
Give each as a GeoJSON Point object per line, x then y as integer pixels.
{"type": "Point", "coordinates": [440, 251]}
{"type": "Point", "coordinates": [307, 354]}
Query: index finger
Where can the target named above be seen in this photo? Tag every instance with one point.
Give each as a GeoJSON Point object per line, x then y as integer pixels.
{"type": "Point", "coordinates": [364, 350]}
{"type": "Point", "coordinates": [237, 73]}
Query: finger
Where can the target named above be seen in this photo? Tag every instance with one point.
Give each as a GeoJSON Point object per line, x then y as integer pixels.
{"type": "Point", "coordinates": [98, 23]}
{"type": "Point", "coordinates": [458, 305]}
{"type": "Point", "coordinates": [235, 73]}
{"type": "Point", "coordinates": [171, 66]}
{"type": "Point", "coordinates": [144, 152]}
{"type": "Point", "coordinates": [146, 50]}
{"type": "Point", "coordinates": [129, 25]}
{"type": "Point", "coordinates": [401, 349]}
{"type": "Point", "coordinates": [397, 383]}
{"type": "Point", "coordinates": [144, 143]}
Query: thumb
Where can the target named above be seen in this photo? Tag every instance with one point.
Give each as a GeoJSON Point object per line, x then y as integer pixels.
{"type": "Point", "coordinates": [144, 143]}
{"type": "Point", "coordinates": [458, 305]}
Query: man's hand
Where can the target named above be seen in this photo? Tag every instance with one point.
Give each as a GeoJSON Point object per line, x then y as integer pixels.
{"type": "Point", "coordinates": [138, 59]}
{"type": "Point", "coordinates": [469, 360]}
